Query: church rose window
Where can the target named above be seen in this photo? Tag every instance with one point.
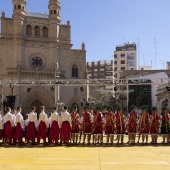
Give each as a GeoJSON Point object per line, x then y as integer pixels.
{"type": "Point", "coordinates": [37, 62]}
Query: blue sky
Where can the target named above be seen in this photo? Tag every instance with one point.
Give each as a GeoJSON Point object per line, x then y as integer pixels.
{"type": "Point", "coordinates": [103, 24]}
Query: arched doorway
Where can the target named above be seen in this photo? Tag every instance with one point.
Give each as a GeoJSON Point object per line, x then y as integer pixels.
{"type": "Point", "coordinates": [37, 103]}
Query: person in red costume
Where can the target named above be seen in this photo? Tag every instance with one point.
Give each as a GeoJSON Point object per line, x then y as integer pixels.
{"type": "Point", "coordinates": [87, 122]}
{"type": "Point", "coordinates": [132, 124]}
{"type": "Point", "coordinates": [54, 124]}
{"type": "Point", "coordinates": [18, 133]}
{"type": "Point", "coordinates": [165, 117]}
{"type": "Point", "coordinates": [154, 125]}
{"type": "Point", "coordinates": [32, 126]}
{"type": "Point", "coordinates": [75, 124]}
{"type": "Point", "coordinates": [120, 125]}
{"type": "Point", "coordinates": [110, 125]}
{"type": "Point", "coordinates": [97, 125]}
{"type": "Point", "coordinates": [144, 124]}
{"type": "Point", "coordinates": [43, 125]}
{"type": "Point", "coordinates": [66, 126]}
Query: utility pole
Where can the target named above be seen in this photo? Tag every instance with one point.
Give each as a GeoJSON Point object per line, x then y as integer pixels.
{"type": "Point", "coordinates": [155, 51]}
{"type": "Point", "coordinates": [138, 53]}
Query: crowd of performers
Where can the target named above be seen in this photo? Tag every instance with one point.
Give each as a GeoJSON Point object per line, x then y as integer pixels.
{"type": "Point", "coordinates": [69, 128]}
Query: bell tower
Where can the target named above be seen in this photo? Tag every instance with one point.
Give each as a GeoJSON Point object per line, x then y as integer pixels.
{"type": "Point", "coordinates": [18, 16]}
{"type": "Point", "coordinates": [54, 16]}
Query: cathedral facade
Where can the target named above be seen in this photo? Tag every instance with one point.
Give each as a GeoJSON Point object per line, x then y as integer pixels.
{"type": "Point", "coordinates": [37, 46]}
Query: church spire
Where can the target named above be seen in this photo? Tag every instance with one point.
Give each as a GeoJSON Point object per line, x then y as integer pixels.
{"type": "Point", "coordinates": [54, 9]}
{"type": "Point", "coordinates": [18, 16]}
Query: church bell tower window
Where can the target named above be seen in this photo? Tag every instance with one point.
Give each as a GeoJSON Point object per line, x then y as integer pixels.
{"type": "Point", "coordinates": [74, 71]}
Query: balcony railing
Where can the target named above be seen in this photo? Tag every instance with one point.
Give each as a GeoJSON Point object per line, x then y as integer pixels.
{"type": "Point", "coordinates": [37, 14]}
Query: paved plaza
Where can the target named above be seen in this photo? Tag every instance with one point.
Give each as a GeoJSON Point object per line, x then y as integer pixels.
{"type": "Point", "coordinates": [84, 157]}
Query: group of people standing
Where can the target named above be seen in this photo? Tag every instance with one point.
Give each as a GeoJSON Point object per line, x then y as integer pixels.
{"type": "Point", "coordinates": [70, 127]}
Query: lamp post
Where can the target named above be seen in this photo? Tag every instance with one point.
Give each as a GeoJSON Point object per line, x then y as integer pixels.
{"type": "Point", "coordinates": [57, 87]}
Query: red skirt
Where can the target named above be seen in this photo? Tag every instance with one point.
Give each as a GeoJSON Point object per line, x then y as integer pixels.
{"type": "Point", "coordinates": [1, 134]}
{"type": "Point", "coordinates": [8, 130]}
{"type": "Point", "coordinates": [132, 129]}
{"type": "Point", "coordinates": [42, 130]}
{"type": "Point", "coordinates": [54, 131]}
{"type": "Point", "coordinates": [75, 129]}
{"type": "Point", "coordinates": [31, 131]}
{"type": "Point", "coordinates": [65, 131]}
{"type": "Point", "coordinates": [87, 128]}
{"type": "Point", "coordinates": [144, 130]}
{"type": "Point", "coordinates": [109, 129]}
{"type": "Point", "coordinates": [98, 129]}
{"type": "Point", "coordinates": [118, 128]}
{"type": "Point", "coordinates": [154, 130]}
{"type": "Point", "coordinates": [18, 134]}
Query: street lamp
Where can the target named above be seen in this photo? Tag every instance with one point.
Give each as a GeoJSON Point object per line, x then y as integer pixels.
{"type": "Point", "coordinates": [57, 87]}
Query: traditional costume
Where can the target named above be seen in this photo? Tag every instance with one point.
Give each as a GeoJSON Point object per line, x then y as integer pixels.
{"type": "Point", "coordinates": [154, 125]}
{"type": "Point", "coordinates": [144, 121]}
{"type": "Point", "coordinates": [132, 124]}
{"type": "Point", "coordinates": [32, 127]}
{"type": "Point", "coordinates": [54, 130]}
{"type": "Point", "coordinates": [120, 124]}
{"type": "Point", "coordinates": [165, 125]}
{"type": "Point", "coordinates": [9, 125]}
{"type": "Point", "coordinates": [144, 124]}
{"type": "Point", "coordinates": [75, 122]}
{"type": "Point", "coordinates": [87, 120]}
{"type": "Point", "coordinates": [97, 125]}
{"type": "Point", "coordinates": [65, 126]}
{"type": "Point", "coordinates": [75, 119]}
{"type": "Point", "coordinates": [43, 125]}
{"type": "Point", "coordinates": [154, 122]}
{"type": "Point", "coordinates": [109, 124]}
{"type": "Point", "coordinates": [18, 134]}
{"type": "Point", "coordinates": [87, 124]}
{"type": "Point", "coordinates": [165, 121]}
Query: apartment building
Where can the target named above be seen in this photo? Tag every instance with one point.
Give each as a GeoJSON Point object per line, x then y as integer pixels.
{"type": "Point", "coordinates": [168, 66]}
{"type": "Point", "coordinates": [125, 58]}
{"type": "Point", "coordinates": [101, 70]}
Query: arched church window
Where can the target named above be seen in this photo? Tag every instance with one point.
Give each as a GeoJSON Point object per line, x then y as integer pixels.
{"type": "Point", "coordinates": [29, 30]}
{"type": "Point", "coordinates": [37, 31]}
{"type": "Point", "coordinates": [74, 71]}
{"type": "Point", "coordinates": [45, 32]}
{"type": "Point", "coordinates": [55, 11]}
{"type": "Point", "coordinates": [19, 6]}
